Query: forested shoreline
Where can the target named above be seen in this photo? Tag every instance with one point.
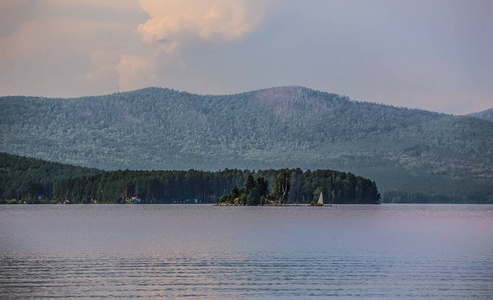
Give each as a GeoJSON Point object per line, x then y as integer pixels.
{"type": "Point", "coordinates": [29, 180]}
{"type": "Point", "coordinates": [206, 187]}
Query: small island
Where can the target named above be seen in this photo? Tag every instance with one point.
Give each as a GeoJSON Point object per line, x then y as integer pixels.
{"type": "Point", "coordinates": [33, 181]}
{"type": "Point", "coordinates": [351, 189]}
{"type": "Point", "coordinates": [256, 192]}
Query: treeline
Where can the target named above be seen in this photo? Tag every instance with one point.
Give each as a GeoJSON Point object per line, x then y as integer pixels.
{"type": "Point", "coordinates": [207, 187]}
{"type": "Point", "coordinates": [397, 196]}
{"type": "Point", "coordinates": [31, 180]}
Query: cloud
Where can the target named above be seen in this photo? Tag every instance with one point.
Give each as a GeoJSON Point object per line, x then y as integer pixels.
{"type": "Point", "coordinates": [175, 23]}
{"type": "Point", "coordinates": [135, 72]}
{"type": "Point", "coordinates": [79, 47]}
{"type": "Point", "coordinates": [31, 61]}
{"type": "Point", "coordinates": [9, 4]}
{"type": "Point", "coordinates": [115, 5]}
{"type": "Point", "coordinates": [66, 48]}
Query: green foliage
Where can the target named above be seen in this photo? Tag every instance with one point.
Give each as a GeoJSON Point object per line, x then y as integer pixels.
{"type": "Point", "coordinates": [250, 184]}
{"type": "Point", "coordinates": [243, 199]}
{"type": "Point", "coordinates": [262, 187]}
{"type": "Point", "coordinates": [36, 181]}
{"type": "Point", "coordinates": [316, 194]}
{"type": "Point", "coordinates": [296, 186]}
{"type": "Point", "coordinates": [254, 193]}
{"type": "Point", "coordinates": [31, 180]}
{"type": "Point", "coordinates": [399, 196]}
{"type": "Point", "coordinates": [226, 199]}
{"type": "Point", "coordinates": [406, 150]}
{"type": "Point", "coordinates": [282, 187]}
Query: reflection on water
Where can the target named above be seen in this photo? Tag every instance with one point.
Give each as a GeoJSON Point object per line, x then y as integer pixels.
{"type": "Point", "coordinates": [169, 251]}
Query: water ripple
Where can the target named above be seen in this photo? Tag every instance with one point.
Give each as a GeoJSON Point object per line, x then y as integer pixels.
{"type": "Point", "coordinates": [440, 256]}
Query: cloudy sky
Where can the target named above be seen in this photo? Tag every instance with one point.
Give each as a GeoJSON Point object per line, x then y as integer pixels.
{"type": "Point", "coordinates": [430, 54]}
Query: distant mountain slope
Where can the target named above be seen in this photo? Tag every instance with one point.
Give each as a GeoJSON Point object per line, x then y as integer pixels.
{"type": "Point", "coordinates": [410, 153]}
{"type": "Point", "coordinates": [485, 114]}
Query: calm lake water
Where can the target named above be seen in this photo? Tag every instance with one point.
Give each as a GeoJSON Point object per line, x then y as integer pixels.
{"type": "Point", "coordinates": [203, 251]}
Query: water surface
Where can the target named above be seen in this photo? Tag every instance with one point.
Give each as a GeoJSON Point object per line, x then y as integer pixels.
{"type": "Point", "coordinates": [203, 251]}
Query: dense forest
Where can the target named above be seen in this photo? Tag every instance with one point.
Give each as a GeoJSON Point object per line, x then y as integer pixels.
{"type": "Point", "coordinates": [30, 180]}
{"type": "Point", "coordinates": [485, 114]}
{"type": "Point", "coordinates": [207, 187]}
{"type": "Point", "coordinates": [406, 151]}
{"type": "Point", "coordinates": [36, 181]}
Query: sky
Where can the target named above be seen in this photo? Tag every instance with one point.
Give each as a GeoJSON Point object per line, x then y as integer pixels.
{"type": "Point", "coordinates": [430, 54]}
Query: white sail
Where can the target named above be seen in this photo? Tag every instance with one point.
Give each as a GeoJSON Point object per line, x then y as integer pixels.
{"type": "Point", "coordinates": [320, 199]}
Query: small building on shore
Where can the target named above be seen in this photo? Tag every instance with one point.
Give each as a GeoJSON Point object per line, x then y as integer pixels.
{"type": "Point", "coordinates": [133, 200]}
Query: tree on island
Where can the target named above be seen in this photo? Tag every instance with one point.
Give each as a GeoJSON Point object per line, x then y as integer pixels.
{"type": "Point", "coordinates": [282, 186]}
{"type": "Point", "coordinates": [254, 193]}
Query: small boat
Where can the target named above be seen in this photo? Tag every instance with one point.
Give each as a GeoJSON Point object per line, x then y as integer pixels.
{"type": "Point", "coordinates": [320, 201]}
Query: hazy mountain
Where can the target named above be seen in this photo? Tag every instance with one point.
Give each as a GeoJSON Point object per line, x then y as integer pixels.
{"type": "Point", "coordinates": [485, 114]}
{"type": "Point", "coordinates": [412, 154]}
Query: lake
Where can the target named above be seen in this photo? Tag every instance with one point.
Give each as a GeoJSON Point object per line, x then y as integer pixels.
{"type": "Point", "coordinates": [203, 251]}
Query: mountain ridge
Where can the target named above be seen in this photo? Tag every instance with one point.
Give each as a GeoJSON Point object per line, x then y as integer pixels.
{"type": "Point", "coordinates": [406, 150]}
{"type": "Point", "coordinates": [486, 114]}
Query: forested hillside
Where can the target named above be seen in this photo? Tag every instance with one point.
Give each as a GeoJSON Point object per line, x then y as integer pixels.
{"type": "Point", "coordinates": [31, 180]}
{"type": "Point", "coordinates": [485, 114]}
{"type": "Point", "coordinates": [411, 154]}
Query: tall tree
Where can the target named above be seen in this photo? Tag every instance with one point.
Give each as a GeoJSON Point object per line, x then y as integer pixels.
{"type": "Point", "coordinates": [281, 187]}
{"type": "Point", "coordinates": [250, 183]}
